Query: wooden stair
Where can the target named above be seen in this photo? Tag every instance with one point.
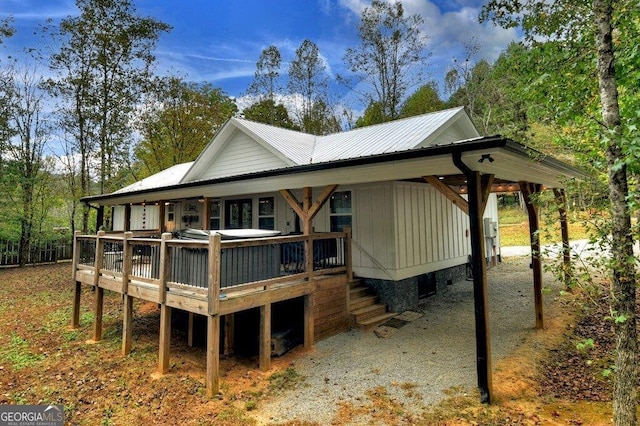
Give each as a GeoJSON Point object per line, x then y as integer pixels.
{"type": "Point", "coordinates": [366, 312]}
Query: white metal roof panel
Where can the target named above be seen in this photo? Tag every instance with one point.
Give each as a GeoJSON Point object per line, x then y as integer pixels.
{"type": "Point", "coordinates": [171, 176]}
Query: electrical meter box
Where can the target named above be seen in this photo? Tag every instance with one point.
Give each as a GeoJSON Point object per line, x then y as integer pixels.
{"type": "Point", "coordinates": [490, 228]}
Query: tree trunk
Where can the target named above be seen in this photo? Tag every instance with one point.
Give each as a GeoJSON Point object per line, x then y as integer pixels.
{"type": "Point", "coordinates": [622, 263]}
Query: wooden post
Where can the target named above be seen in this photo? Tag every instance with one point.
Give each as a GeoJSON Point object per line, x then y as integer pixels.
{"type": "Point", "coordinates": [99, 291]}
{"type": "Point", "coordinates": [190, 330]}
{"type": "Point", "coordinates": [165, 338]}
{"type": "Point", "coordinates": [528, 191]}
{"type": "Point", "coordinates": [127, 320]}
{"type": "Point", "coordinates": [75, 317]}
{"type": "Point", "coordinates": [265, 337]}
{"type": "Point", "coordinates": [165, 261]}
{"type": "Point", "coordinates": [127, 325]}
{"type": "Point", "coordinates": [213, 355]}
{"type": "Point", "coordinates": [309, 324]}
{"type": "Point", "coordinates": [162, 209]}
{"type": "Point", "coordinates": [76, 255]}
{"type": "Point", "coordinates": [213, 280]}
{"type": "Point", "coordinates": [479, 266]}
{"type": "Point", "coordinates": [561, 200]}
{"type": "Point", "coordinates": [206, 213]}
{"type": "Point", "coordinates": [229, 334]}
{"type": "Point", "coordinates": [348, 253]}
{"type": "Point", "coordinates": [100, 217]}
{"type": "Point", "coordinates": [127, 217]}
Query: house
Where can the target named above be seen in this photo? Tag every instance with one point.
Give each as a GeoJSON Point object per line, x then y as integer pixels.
{"type": "Point", "coordinates": [405, 206]}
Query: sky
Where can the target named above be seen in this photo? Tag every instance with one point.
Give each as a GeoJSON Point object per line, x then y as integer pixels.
{"type": "Point", "coordinates": [219, 41]}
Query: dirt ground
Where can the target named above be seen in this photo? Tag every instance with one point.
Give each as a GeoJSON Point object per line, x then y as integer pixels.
{"type": "Point", "coordinates": [557, 376]}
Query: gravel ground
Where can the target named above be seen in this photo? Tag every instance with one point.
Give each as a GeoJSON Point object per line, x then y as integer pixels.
{"type": "Point", "coordinates": [431, 354]}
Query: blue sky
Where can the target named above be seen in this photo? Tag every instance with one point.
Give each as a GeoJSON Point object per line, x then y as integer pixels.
{"type": "Point", "coordinates": [219, 41]}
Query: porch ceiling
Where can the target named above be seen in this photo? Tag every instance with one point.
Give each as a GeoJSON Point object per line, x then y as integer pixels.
{"type": "Point", "coordinates": [511, 163]}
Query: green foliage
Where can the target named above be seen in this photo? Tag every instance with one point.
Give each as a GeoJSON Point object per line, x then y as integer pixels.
{"type": "Point", "coordinates": [425, 99]}
{"type": "Point", "coordinates": [17, 354]}
{"type": "Point", "coordinates": [269, 112]}
{"type": "Point", "coordinates": [177, 122]}
{"type": "Point", "coordinates": [266, 78]}
{"type": "Point", "coordinates": [284, 380]}
{"type": "Point", "coordinates": [585, 345]}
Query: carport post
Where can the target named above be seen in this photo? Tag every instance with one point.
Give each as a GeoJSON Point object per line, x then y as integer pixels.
{"type": "Point", "coordinates": [528, 190]}
{"type": "Point", "coordinates": [479, 266]}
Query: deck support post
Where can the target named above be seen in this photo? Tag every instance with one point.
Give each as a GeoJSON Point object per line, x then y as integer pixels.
{"type": "Point", "coordinates": [529, 192]}
{"type": "Point", "coordinates": [97, 314]}
{"type": "Point", "coordinates": [190, 330]}
{"type": "Point", "coordinates": [99, 291]}
{"type": "Point", "coordinates": [165, 338]}
{"type": "Point", "coordinates": [213, 355]}
{"type": "Point", "coordinates": [127, 324]}
{"type": "Point", "coordinates": [479, 187]}
{"type": "Point", "coordinates": [265, 337]}
{"type": "Point", "coordinates": [229, 331]}
{"type": "Point", "coordinates": [75, 317]}
{"type": "Point", "coordinates": [561, 201]}
{"type": "Point", "coordinates": [309, 325]}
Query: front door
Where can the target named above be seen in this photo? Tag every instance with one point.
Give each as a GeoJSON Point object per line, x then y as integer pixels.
{"type": "Point", "coordinates": [238, 214]}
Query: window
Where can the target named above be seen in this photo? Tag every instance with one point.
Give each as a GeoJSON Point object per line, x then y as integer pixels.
{"type": "Point", "coordinates": [266, 218]}
{"type": "Point", "coordinates": [214, 214]}
{"type": "Point", "coordinates": [237, 214]}
{"type": "Point", "coordinates": [340, 211]}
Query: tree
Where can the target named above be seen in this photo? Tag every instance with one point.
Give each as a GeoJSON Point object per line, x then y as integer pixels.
{"type": "Point", "coordinates": [268, 112]}
{"type": "Point", "coordinates": [266, 78]}
{"type": "Point", "coordinates": [590, 31]}
{"type": "Point", "coordinates": [23, 173]}
{"type": "Point", "coordinates": [104, 60]}
{"type": "Point", "coordinates": [177, 121]}
{"type": "Point", "coordinates": [390, 55]}
{"type": "Point", "coordinates": [425, 99]}
{"type": "Point", "coordinates": [309, 82]}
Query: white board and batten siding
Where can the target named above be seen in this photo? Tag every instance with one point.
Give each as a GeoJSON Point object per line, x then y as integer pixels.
{"type": "Point", "coordinates": [406, 229]}
{"type": "Point", "coordinates": [142, 218]}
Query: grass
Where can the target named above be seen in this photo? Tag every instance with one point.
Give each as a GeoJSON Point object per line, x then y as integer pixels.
{"type": "Point", "coordinates": [514, 227]}
{"type": "Point", "coordinates": [18, 354]}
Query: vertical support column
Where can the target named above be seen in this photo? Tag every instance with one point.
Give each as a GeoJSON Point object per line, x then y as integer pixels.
{"type": "Point", "coordinates": [265, 337]}
{"type": "Point", "coordinates": [206, 213]}
{"type": "Point", "coordinates": [100, 217]}
{"type": "Point", "coordinates": [309, 323]}
{"type": "Point", "coordinates": [165, 338]}
{"type": "Point", "coordinates": [561, 201]}
{"type": "Point", "coordinates": [162, 214]}
{"type": "Point", "coordinates": [478, 262]}
{"type": "Point", "coordinates": [190, 330]}
{"type": "Point", "coordinates": [213, 355]}
{"type": "Point", "coordinates": [528, 191]}
{"type": "Point", "coordinates": [127, 217]}
{"type": "Point", "coordinates": [229, 334]}
{"type": "Point", "coordinates": [75, 317]}
{"type": "Point", "coordinates": [127, 325]}
{"type": "Point", "coordinates": [99, 291]}
{"type": "Point", "coordinates": [307, 229]}
{"type": "Point", "coordinates": [165, 264]}
{"type": "Point", "coordinates": [213, 280]}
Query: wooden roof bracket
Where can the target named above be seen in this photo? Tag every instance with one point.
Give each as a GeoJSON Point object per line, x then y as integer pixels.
{"type": "Point", "coordinates": [308, 211]}
{"type": "Point", "coordinates": [446, 190]}
{"type": "Point", "coordinates": [478, 187]}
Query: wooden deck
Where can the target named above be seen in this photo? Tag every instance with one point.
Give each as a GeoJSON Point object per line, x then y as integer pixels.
{"type": "Point", "coordinates": [215, 278]}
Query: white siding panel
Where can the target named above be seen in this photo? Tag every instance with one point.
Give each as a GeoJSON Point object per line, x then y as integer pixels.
{"type": "Point", "coordinates": [118, 218]}
{"type": "Point", "coordinates": [242, 155]}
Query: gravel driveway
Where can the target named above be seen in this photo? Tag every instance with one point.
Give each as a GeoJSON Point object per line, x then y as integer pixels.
{"type": "Point", "coordinates": [428, 355]}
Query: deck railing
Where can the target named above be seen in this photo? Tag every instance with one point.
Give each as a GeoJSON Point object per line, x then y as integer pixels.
{"type": "Point", "coordinates": [205, 270]}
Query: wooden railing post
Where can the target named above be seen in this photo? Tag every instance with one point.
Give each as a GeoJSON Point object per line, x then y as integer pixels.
{"type": "Point", "coordinates": [127, 315]}
{"type": "Point", "coordinates": [99, 291]}
{"type": "Point", "coordinates": [75, 317]}
{"type": "Point", "coordinates": [308, 252]}
{"type": "Point", "coordinates": [213, 280]}
{"type": "Point", "coordinates": [165, 261]}
{"type": "Point", "coordinates": [348, 253]}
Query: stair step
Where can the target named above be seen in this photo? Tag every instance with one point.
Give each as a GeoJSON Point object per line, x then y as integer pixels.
{"type": "Point", "coordinates": [361, 302]}
{"type": "Point", "coordinates": [372, 322]}
{"type": "Point", "coordinates": [355, 282]}
{"type": "Point", "coordinates": [369, 312]}
{"type": "Point", "coordinates": [356, 292]}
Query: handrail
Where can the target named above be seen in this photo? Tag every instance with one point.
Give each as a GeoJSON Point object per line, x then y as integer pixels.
{"type": "Point", "coordinates": [132, 260]}
{"type": "Point", "coordinates": [370, 256]}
